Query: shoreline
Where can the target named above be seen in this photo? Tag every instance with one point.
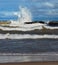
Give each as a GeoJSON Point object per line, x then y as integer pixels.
{"type": "Point", "coordinates": [32, 63]}
{"type": "Point", "coordinates": [41, 57]}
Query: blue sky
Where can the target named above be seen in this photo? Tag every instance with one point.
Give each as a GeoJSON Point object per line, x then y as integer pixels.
{"type": "Point", "coordinates": [40, 9]}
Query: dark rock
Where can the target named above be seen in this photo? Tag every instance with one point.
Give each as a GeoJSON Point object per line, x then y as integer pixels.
{"type": "Point", "coordinates": [42, 22]}
{"type": "Point", "coordinates": [53, 23]}
{"type": "Point", "coordinates": [35, 22]}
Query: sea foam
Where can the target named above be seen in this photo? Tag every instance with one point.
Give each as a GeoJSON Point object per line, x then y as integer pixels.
{"type": "Point", "coordinates": [26, 36]}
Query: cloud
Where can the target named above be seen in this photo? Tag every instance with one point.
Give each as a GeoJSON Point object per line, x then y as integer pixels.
{"type": "Point", "coordinates": [49, 4]}
{"type": "Point", "coordinates": [5, 14]}
{"type": "Point", "coordinates": [51, 12]}
{"type": "Point", "coordinates": [10, 13]}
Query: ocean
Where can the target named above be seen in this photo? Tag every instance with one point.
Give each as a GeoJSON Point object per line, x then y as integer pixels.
{"type": "Point", "coordinates": [28, 45]}
{"type": "Point", "coordinates": [21, 42]}
{"type": "Point", "coordinates": [26, 50]}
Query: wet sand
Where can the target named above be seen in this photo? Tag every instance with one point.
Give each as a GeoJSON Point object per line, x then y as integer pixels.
{"type": "Point", "coordinates": [32, 63]}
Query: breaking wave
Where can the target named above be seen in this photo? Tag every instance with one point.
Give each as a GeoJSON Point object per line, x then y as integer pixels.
{"type": "Point", "coordinates": [25, 16]}
{"type": "Point", "coordinates": [28, 27]}
{"type": "Point", "coordinates": [26, 36]}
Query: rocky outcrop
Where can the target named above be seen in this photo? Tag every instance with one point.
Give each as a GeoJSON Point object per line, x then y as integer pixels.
{"type": "Point", "coordinates": [53, 23]}
{"type": "Point", "coordinates": [42, 22]}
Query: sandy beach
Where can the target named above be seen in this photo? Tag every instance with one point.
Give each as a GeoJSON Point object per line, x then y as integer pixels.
{"type": "Point", "coordinates": [31, 63]}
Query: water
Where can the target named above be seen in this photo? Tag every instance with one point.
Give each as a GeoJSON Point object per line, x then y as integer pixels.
{"type": "Point", "coordinates": [28, 45]}
{"type": "Point", "coordinates": [26, 50]}
{"type": "Point", "coordinates": [27, 36]}
{"type": "Point", "coordinates": [45, 47]}
{"type": "Point", "coordinates": [24, 15]}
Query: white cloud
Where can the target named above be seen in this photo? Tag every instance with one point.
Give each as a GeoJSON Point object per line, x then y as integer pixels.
{"type": "Point", "coordinates": [52, 12]}
{"type": "Point", "coordinates": [49, 4]}
{"type": "Point", "coordinates": [5, 14]}
{"type": "Point", "coordinates": [10, 13]}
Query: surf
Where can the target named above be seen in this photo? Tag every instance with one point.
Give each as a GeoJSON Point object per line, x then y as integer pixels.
{"type": "Point", "coordinates": [27, 36]}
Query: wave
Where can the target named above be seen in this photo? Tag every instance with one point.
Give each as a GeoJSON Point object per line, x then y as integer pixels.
{"type": "Point", "coordinates": [28, 54]}
{"type": "Point", "coordinates": [51, 27]}
{"type": "Point", "coordinates": [21, 28]}
{"type": "Point", "coordinates": [28, 27]}
{"type": "Point", "coordinates": [26, 36]}
{"type": "Point", "coordinates": [25, 23]}
{"type": "Point", "coordinates": [7, 58]}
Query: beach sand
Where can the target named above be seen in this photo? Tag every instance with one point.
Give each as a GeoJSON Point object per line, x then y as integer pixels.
{"type": "Point", "coordinates": [32, 63]}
